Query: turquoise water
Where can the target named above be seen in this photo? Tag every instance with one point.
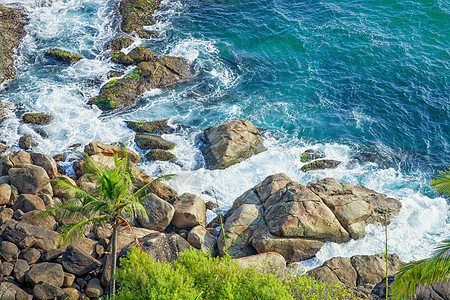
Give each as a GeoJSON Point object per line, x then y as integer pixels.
{"type": "Point", "coordinates": [337, 76]}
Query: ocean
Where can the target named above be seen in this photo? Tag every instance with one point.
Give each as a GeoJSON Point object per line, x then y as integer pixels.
{"type": "Point", "coordinates": [354, 79]}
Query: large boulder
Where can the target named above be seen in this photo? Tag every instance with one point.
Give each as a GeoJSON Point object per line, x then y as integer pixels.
{"type": "Point", "coordinates": [29, 202]}
{"type": "Point", "coordinates": [11, 32]}
{"type": "Point", "coordinates": [141, 54]}
{"type": "Point", "coordinates": [63, 56]}
{"type": "Point", "coordinates": [190, 211]}
{"type": "Point", "coordinates": [11, 291]}
{"type": "Point", "coordinates": [46, 162]}
{"type": "Point", "coordinates": [37, 118]}
{"type": "Point", "coordinates": [159, 213]}
{"type": "Point", "coordinates": [94, 289]}
{"type": "Point", "coordinates": [230, 143]}
{"type": "Point", "coordinates": [201, 238]}
{"type": "Point", "coordinates": [30, 179]}
{"type": "Point", "coordinates": [78, 262]}
{"type": "Point", "coordinates": [146, 142]}
{"type": "Point", "coordinates": [15, 159]}
{"type": "Point", "coordinates": [136, 14]}
{"type": "Point", "coordinates": [5, 194]}
{"type": "Point", "coordinates": [269, 262]}
{"type": "Point", "coordinates": [8, 251]}
{"type": "Point", "coordinates": [43, 239]}
{"type": "Point", "coordinates": [49, 273]}
{"type": "Point", "coordinates": [45, 291]}
{"type": "Point", "coordinates": [97, 148]}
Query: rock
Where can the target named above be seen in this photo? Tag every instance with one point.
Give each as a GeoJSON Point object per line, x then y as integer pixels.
{"type": "Point", "coordinates": [9, 290]}
{"type": "Point", "coordinates": [113, 74]}
{"type": "Point", "coordinates": [337, 270]}
{"type": "Point", "coordinates": [231, 143]}
{"type": "Point", "coordinates": [121, 93]}
{"type": "Point", "coordinates": [3, 148]}
{"type": "Point", "coordinates": [85, 244]}
{"type": "Point", "coordinates": [57, 190]}
{"type": "Point", "coordinates": [136, 14]}
{"type": "Point", "coordinates": [310, 155]}
{"type": "Point", "coordinates": [120, 43]}
{"type": "Point", "coordinates": [321, 164]}
{"type": "Point", "coordinates": [238, 229]}
{"type": "Point", "coordinates": [45, 291]}
{"type": "Point", "coordinates": [211, 206]}
{"type": "Point", "coordinates": [5, 194]}
{"type": "Point", "coordinates": [20, 268]}
{"type": "Point", "coordinates": [46, 162]}
{"type": "Point", "coordinates": [6, 213]}
{"type": "Point", "coordinates": [37, 118]}
{"type": "Point", "coordinates": [121, 58]}
{"type": "Point", "coordinates": [48, 223]}
{"type": "Point", "coordinates": [190, 211]}
{"type": "Point", "coordinates": [30, 179]}
{"type": "Point", "coordinates": [96, 148]}
{"type": "Point", "coordinates": [68, 279]}
{"type": "Point", "coordinates": [6, 108]}
{"type": "Point", "coordinates": [78, 262]}
{"type": "Point", "coordinates": [30, 255]}
{"type": "Point", "coordinates": [44, 239]}
{"type": "Point", "coordinates": [162, 247]}
{"type": "Point", "coordinates": [94, 289]}
{"type": "Point", "coordinates": [11, 160]}
{"type": "Point", "coordinates": [201, 238]}
{"type": "Point", "coordinates": [63, 56]}
{"type": "Point", "coordinates": [371, 269]}
{"type": "Point", "coordinates": [435, 291]}
{"type": "Point", "coordinates": [155, 127]}
{"type": "Point", "coordinates": [269, 262]}
{"type": "Point", "coordinates": [27, 142]}
{"type": "Point", "coordinates": [159, 213]}
{"type": "Point", "coordinates": [140, 179]}
{"type": "Point", "coordinates": [59, 157]}
{"type": "Point", "coordinates": [72, 292]}
{"type": "Point", "coordinates": [102, 232]}
{"type": "Point", "coordinates": [28, 202]}
{"type": "Point", "coordinates": [8, 251]}
{"type": "Point", "coordinates": [159, 154]}
{"type": "Point", "coordinates": [355, 206]}
{"type": "Point", "coordinates": [52, 254]}
{"type": "Point", "coordinates": [6, 269]}
{"type": "Point", "coordinates": [152, 142]}
{"type": "Point", "coordinates": [49, 273]}
{"type": "Point", "coordinates": [141, 54]}
{"type": "Point", "coordinates": [11, 32]}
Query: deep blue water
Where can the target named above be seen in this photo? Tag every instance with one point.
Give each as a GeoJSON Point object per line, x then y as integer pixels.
{"type": "Point", "coordinates": [339, 76]}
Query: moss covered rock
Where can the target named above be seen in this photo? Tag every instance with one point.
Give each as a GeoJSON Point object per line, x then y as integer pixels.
{"type": "Point", "coordinates": [37, 118]}
{"type": "Point", "coordinates": [63, 56]}
{"type": "Point", "coordinates": [136, 14]}
{"type": "Point", "coordinates": [310, 155]}
{"type": "Point", "coordinates": [120, 43]}
{"type": "Point", "coordinates": [155, 127]}
{"type": "Point", "coordinates": [159, 154]}
{"type": "Point", "coordinates": [152, 142]}
{"type": "Point", "coordinates": [141, 54]}
{"type": "Point", "coordinates": [122, 59]}
{"type": "Point", "coordinates": [115, 74]}
{"type": "Point", "coordinates": [321, 164]}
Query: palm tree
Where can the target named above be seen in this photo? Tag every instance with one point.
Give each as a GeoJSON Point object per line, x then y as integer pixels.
{"type": "Point", "coordinates": [425, 271]}
{"type": "Point", "coordinates": [114, 196]}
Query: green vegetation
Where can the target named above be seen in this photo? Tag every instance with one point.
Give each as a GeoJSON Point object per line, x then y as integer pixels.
{"type": "Point", "coordinates": [425, 271]}
{"type": "Point", "coordinates": [197, 274]}
{"type": "Point", "coordinates": [63, 56]}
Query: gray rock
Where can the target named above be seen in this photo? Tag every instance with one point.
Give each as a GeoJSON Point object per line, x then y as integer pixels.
{"type": "Point", "coordinates": [27, 142]}
{"type": "Point", "coordinates": [146, 142]}
{"type": "Point", "coordinates": [29, 202]}
{"type": "Point", "coordinates": [78, 262]}
{"type": "Point", "coordinates": [8, 251]}
{"type": "Point", "coordinates": [94, 289]}
{"type": "Point", "coordinates": [49, 273]}
{"type": "Point", "coordinates": [30, 179]}
{"type": "Point", "coordinates": [45, 291]}
{"type": "Point", "coordinates": [321, 164]}
{"type": "Point", "coordinates": [30, 255]}
{"type": "Point", "coordinates": [10, 291]}
{"type": "Point", "coordinates": [311, 154]}
{"type": "Point", "coordinates": [68, 279]}
{"type": "Point", "coordinates": [20, 268]}
{"type": "Point", "coordinates": [6, 269]}
{"type": "Point", "coordinates": [44, 239]}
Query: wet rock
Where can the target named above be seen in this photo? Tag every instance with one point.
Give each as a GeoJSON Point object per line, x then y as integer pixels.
{"type": "Point", "coordinates": [49, 273]}
{"type": "Point", "coordinates": [231, 143]}
{"type": "Point", "coordinates": [27, 142]}
{"type": "Point", "coordinates": [159, 213]}
{"type": "Point", "coordinates": [269, 262]}
{"type": "Point", "coordinates": [37, 118]}
{"type": "Point", "coordinates": [136, 14]}
{"type": "Point", "coordinates": [78, 262]}
{"type": "Point", "coordinates": [310, 155]}
{"type": "Point", "coordinates": [190, 211]}
{"type": "Point", "coordinates": [8, 251]}
{"type": "Point", "coordinates": [152, 142]}
{"type": "Point", "coordinates": [321, 165]}
{"type": "Point", "coordinates": [121, 59]}
{"type": "Point", "coordinates": [113, 74]}
{"type": "Point", "coordinates": [28, 202]}
{"type": "Point", "coordinates": [97, 148]}
{"type": "Point", "coordinates": [155, 127]}
{"type": "Point", "coordinates": [120, 43]}
{"type": "Point", "coordinates": [30, 179]}
{"type": "Point", "coordinates": [201, 238]}
{"type": "Point", "coordinates": [63, 56]}
{"type": "Point", "coordinates": [59, 157]}
{"type": "Point", "coordinates": [46, 162]}
{"type": "Point", "coordinates": [45, 291]}
{"type": "Point", "coordinates": [5, 194]}
{"type": "Point", "coordinates": [11, 32]}
{"type": "Point", "coordinates": [160, 155]}
{"type": "Point", "coordinates": [141, 54]}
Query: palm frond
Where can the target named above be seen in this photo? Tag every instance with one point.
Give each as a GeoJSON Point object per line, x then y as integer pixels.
{"type": "Point", "coordinates": [72, 231]}
{"type": "Point", "coordinates": [442, 183]}
{"type": "Point", "coordinates": [152, 184]}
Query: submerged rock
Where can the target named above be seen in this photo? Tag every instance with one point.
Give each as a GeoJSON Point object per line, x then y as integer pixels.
{"type": "Point", "coordinates": [321, 164]}
{"type": "Point", "coordinates": [146, 142]}
{"type": "Point", "coordinates": [37, 118]}
{"type": "Point", "coordinates": [63, 56]}
{"type": "Point", "coordinates": [136, 14]}
{"type": "Point", "coordinates": [159, 154]}
{"type": "Point", "coordinates": [230, 143]}
{"type": "Point", "coordinates": [27, 142]}
{"type": "Point", "coordinates": [11, 32]}
{"type": "Point", "coordinates": [155, 127]}
{"type": "Point", "coordinates": [122, 92]}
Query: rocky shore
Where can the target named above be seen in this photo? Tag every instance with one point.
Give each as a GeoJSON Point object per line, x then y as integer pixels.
{"type": "Point", "coordinates": [269, 226]}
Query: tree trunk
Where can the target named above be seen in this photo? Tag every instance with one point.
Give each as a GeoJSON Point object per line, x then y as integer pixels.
{"type": "Point", "coordinates": [112, 283]}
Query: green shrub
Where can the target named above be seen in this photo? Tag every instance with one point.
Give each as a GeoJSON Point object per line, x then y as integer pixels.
{"type": "Point", "coordinates": [196, 275]}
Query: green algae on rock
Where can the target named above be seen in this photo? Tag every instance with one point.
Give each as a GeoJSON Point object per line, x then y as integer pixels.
{"type": "Point", "coordinates": [311, 154]}
{"type": "Point", "coordinates": [122, 59]}
{"type": "Point", "coordinates": [120, 43]}
{"type": "Point", "coordinates": [141, 54]}
{"type": "Point", "coordinates": [155, 127]}
{"type": "Point", "coordinates": [37, 118]}
{"type": "Point", "coordinates": [321, 164]}
{"type": "Point", "coordinates": [159, 154]}
{"type": "Point", "coordinates": [63, 56]}
{"type": "Point", "coordinates": [136, 14]}
{"type": "Point", "coordinates": [11, 32]}
{"type": "Point", "coordinates": [145, 142]}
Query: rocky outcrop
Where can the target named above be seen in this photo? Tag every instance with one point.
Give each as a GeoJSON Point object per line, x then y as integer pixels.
{"type": "Point", "coordinates": [121, 93]}
{"type": "Point", "coordinates": [282, 216]}
{"type": "Point", "coordinates": [11, 32]}
{"type": "Point", "coordinates": [136, 14]}
{"type": "Point", "coordinates": [63, 56]}
{"type": "Point", "coordinates": [310, 155]}
{"type": "Point", "coordinates": [159, 154]}
{"type": "Point", "coordinates": [120, 43]}
{"type": "Point", "coordinates": [147, 142]}
{"type": "Point", "coordinates": [37, 118]}
{"type": "Point", "coordinates": [321, 164]}
{"type": "Point", "coordinates": [159, 213]}
{"type": "Point", "coordinates": [155, 127]}
{"type": "Point", "coordinates": [96, 148]}
{"type": "Point", "coordinates": [230, 143]}
{"type": "Point", "coordinates": [190, 211]}
{"type": "Point", "coordinates": [269, 262]}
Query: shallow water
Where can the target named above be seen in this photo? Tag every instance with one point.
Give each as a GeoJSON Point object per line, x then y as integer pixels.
{"type": "Point", "coordinates": [334, 76]}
